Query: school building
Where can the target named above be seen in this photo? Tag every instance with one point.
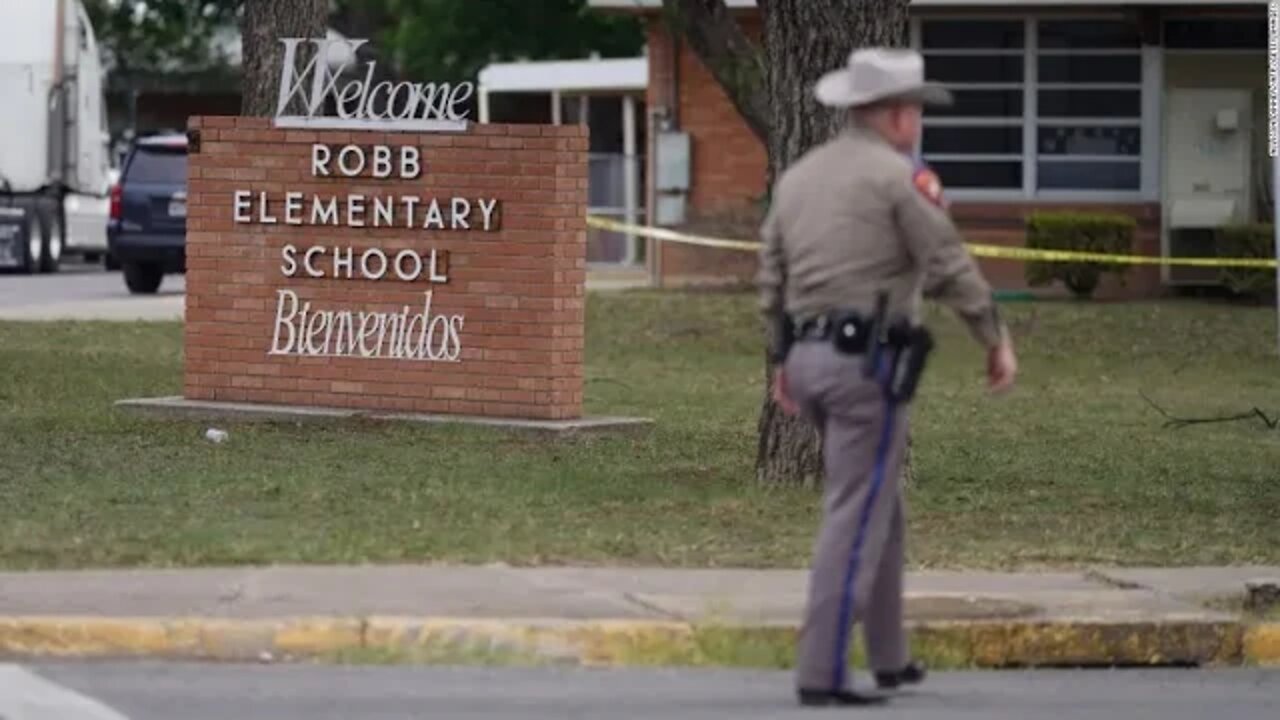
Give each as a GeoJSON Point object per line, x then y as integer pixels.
{"type": "Point", "coordinates": [1156, 110]}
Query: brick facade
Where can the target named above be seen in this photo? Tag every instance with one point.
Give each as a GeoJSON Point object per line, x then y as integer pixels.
{"type": "Point", "coordinates": [728, 162]}
{"type": "Point", "coordinates": [518, 288]}
{"type": "Point", "coordinates": [729, 166]}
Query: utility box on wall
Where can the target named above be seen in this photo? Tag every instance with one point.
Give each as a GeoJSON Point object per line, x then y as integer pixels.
{"type": "Point", "coordinates": [672, 177]}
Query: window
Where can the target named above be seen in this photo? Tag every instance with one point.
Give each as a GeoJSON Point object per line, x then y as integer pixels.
{"type": "Point", "coordinates": [1077, 83]}
{"type": "Point", "coordinates": [972, 34]}
{"type": "Point", "coordinates": [1088, 105]}
{"type": "Point", "coordinates": [1216, 34]}
{"type": "Point", "coordinates": [961, 140]}
{"type": "Point", "coordinates": [1074, 35]}
{"type": "Point", "coordinates": [977, 142]}
{"type": "Point", "coordinates": [1076, 68]}
{"type": "Point", "coordinates": [159, 165]}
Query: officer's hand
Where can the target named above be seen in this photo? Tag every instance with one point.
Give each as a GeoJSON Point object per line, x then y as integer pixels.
{"type": "Point", "coordinates": [780, 394]}
{"type": "Point", "coordinates": [1002, 366]}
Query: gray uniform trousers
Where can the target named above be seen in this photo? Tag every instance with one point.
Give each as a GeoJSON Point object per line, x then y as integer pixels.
{"type": "Point", "coordinates": [858, 557]}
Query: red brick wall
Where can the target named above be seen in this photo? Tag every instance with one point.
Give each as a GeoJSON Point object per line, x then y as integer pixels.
{"type": "Point", "coordinates": [519, 287]}
{"type": "Point", "coordinates": [728, 163]}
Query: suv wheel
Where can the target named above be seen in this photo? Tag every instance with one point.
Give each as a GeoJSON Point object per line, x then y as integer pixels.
{"type": "Point", "coordinates": [143, 278]}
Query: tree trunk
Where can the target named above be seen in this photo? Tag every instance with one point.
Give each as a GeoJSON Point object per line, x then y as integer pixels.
{"type": "Point", "coordinates": [264, 24]}
{"type": "Point", "coordinates": [804, 39]}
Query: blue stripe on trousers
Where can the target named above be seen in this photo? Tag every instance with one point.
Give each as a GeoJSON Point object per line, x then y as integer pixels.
{"type": "Point", "coordinates": [851, 572]}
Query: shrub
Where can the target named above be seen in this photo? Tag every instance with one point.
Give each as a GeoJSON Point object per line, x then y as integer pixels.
{"type": "Point", "coordinates": [1078, 232]}
{"type": "Point", "coordinates": [1247, 241]}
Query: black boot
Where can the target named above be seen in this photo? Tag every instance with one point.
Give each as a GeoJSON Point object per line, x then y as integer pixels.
{"type": "Point", "coordinates": [826, 698]}
{"type": "Point", "coordinates": [912, 674]}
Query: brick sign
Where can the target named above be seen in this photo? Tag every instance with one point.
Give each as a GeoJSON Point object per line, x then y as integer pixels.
{"type": "Point", "coordinates": [431, 271]}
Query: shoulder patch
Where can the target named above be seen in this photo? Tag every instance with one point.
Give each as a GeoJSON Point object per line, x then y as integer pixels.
{"type": "Point", "coordinates": [928, 184]}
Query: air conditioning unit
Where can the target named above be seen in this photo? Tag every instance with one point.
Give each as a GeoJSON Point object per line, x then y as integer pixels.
{"type": "Point", "coordinates": [1192, 225]}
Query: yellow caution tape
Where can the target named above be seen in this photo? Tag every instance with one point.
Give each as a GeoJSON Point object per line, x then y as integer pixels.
{"type": "Point", "coordinates": [990, 251]}
{"type": "Point", "coordinates": [671, 235]}
{"type": "Point", "coordinates": [1037, 254]}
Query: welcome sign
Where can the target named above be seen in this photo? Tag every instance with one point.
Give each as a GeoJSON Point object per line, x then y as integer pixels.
{"type": "Point", "coordinates": [359, 101]}
{"type": "Point", "coordinates": [380, 252]}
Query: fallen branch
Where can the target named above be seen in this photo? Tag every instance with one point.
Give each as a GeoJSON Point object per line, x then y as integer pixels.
{"type": "Point", "coordinates": [611, 381]}
{"type": "Point", "coordinates": [1177, 422]}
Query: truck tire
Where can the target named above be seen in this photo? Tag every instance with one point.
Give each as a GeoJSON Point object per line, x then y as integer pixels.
{"type": "Point", "coordinates": [53, 235]}
{"type": "Point", "coordinates": [32, 248]}
{"type": "Point", "coordinates": [143, 278]}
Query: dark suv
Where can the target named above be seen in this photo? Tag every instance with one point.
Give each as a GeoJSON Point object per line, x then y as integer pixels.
{"type": "Point", "coordinates": [147, 232]}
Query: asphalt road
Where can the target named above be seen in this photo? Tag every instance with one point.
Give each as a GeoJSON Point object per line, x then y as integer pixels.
{"type": "Point", "coordinates": [84, 292]}
{"type": "Point", "coordinates": [305, 692]}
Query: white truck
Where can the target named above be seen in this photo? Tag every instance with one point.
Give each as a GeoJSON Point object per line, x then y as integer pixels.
{"type": "Point", "coordinates": [55, 161]}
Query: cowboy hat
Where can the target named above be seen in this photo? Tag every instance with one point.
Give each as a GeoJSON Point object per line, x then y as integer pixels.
{"type": "Point", "coordinates": [875, 74]}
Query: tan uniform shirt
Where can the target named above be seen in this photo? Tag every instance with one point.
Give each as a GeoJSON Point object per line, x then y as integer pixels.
{"type": "Point", "coordinates": [853, 217]}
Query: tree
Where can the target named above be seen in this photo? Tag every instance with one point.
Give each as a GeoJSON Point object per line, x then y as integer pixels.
{"type": "Point", "coordinates": [157, 36]}
{"type": "Point", "coordinates": [452, 40]}
{"type": "Point", "coordinates": [770, 83]}
{"type": "Point", "coordinates": [264, 23]}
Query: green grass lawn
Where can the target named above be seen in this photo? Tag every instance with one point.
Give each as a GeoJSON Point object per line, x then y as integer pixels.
{"type": "Point", "coordinates": [1072, 468]}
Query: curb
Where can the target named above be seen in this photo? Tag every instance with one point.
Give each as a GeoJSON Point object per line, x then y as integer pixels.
{"type": "Point", "coordinates": [955, 644]}
{"type": "Point", "coordinates": [1262, 644]}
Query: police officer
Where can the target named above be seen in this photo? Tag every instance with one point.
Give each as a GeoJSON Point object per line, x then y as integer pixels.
{"type": "Point", "coordinates": [857, 225]}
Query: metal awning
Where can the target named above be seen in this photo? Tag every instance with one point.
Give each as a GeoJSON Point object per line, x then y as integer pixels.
{"type": "Point", "coordinates": [567, 76]}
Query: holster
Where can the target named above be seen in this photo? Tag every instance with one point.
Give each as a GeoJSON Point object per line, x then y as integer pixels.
{"type": "Point", "coordinates": [911, 347]}
{"type": "Point", "coordinates": [905, 347]}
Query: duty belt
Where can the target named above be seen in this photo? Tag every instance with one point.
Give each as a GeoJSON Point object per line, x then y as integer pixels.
{"type": "Point", "coordinates": [900, 348]}
{"type": "Point", "coordinates": [851, 332]}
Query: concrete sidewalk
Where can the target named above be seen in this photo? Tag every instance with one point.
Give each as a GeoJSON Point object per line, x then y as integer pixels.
{"type": "Point", "coordinates": [610, 615]}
